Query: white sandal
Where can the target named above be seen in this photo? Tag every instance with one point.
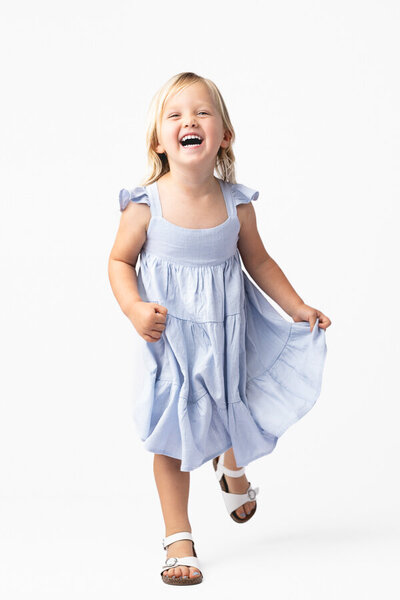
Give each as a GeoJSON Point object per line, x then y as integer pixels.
{"type": "Point", "coordinates": [232, 500]}
{"type": "Point", "coordinates": [187, 561]}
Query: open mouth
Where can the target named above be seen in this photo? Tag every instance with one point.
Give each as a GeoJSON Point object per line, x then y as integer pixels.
{"type": "Point", "coordinates": [192, 141]}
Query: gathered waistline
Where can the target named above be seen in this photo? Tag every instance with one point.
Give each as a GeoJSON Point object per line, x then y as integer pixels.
{"type": "Point", "coordinates": [192, 264]}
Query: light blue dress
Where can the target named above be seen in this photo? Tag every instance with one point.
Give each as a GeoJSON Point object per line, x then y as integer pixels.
{"type": "Point", "coordinates": [228, 370]}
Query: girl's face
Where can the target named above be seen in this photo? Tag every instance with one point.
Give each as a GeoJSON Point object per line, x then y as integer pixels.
{"type": "Point", "coordinates": [191, 111]}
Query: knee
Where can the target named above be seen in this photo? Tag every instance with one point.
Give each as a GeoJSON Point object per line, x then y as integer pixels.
{"type": "Point", "coordinates": [168, 461]}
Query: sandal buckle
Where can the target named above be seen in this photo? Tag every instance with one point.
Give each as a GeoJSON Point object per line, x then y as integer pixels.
{"type": "Point", "coordinates": [169, 563]}
{"type": "Point", "coordinates": [251, 493]}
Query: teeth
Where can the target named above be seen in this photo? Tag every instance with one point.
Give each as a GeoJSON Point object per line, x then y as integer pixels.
{"type": "Point", "coordinates": [189, 137]}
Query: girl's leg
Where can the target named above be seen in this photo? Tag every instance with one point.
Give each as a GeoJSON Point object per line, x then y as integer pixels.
{"type": "Point", "coordinates": [237, 485]}
{"type": "Point", "coordinates": [173, 490]}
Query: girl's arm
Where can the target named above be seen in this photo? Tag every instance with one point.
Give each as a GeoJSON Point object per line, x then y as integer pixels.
{"type": "Point", "coordinates": [129, 240]}
{"type": "Point", "coordinates": [262, 267]}
{"type": "Point", "coordinates": [148, 318]}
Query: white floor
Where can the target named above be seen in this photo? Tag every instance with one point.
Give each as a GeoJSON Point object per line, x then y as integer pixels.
{"type": "Point", "coordinates": [84, 548]}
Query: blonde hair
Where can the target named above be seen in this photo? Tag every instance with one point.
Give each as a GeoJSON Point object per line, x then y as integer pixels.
{"type": "Point", "coordinates": [158, 163]}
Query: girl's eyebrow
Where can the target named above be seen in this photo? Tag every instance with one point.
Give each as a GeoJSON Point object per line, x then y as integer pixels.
{"type": "Point", "coordinates": [204, 104]}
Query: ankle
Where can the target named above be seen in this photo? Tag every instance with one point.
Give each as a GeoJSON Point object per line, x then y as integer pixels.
{"type": "Point", "coordinates": [178, 529]}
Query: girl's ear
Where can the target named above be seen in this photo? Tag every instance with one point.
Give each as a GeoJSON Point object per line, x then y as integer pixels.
{"type": "Point", "coordinates": [159, 149]}
{"type": "Point", "coordinates": [226, 139]}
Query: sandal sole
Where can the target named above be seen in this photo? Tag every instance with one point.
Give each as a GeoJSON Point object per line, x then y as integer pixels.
{"type": "Point", "coordinates": [181, 581]}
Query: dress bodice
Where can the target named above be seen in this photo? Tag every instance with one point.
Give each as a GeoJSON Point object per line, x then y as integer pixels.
{"type": "Point", "coordinates": [197, 247]}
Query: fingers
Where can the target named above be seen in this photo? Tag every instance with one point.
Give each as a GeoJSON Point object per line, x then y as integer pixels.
{"type": "Point", "coordinates": [149, 338]}
{"type": "Point", "coordinates": [155, 323]}
{"type": "Point", "coordinates": [324, 321]}
{"type": "Point", "coordinates": [160, 308]}
{"type": "Point", "coordinates": [161, 313]}
{"type": "Point", "coordinates": [154, 333]}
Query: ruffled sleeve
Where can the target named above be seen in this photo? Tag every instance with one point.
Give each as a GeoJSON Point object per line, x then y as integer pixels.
{"type": "Point", "coordinates": [243, 194]}
{"type": "Point", "coordinates": [138, 195]}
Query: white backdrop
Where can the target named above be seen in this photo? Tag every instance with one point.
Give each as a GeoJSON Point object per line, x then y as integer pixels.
{"type": "Point", "coordinates": [312, 90]}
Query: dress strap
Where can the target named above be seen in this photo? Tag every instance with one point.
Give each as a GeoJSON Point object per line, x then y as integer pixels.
{"type": "Point", "coordinates": [155, 206]}
{"type": "Point", "coordinates": [230, 205]}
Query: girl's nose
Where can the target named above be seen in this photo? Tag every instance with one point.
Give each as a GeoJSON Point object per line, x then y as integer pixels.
{"type": "Point", "coordinates": [191, 121]}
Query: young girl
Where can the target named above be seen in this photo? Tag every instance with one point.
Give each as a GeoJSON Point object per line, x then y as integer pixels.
{"type": "Point", "coordinates": [225, 373]}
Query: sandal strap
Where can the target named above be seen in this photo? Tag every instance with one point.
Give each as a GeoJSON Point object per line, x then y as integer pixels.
{"type": "Point", "coordinates": [221, 469]}
{"type": "Point", "coordinates": [175, 537]}
{"type": "Point", "coordinates": [184, 561]}
{"type": "Point", "coordinates": [233, 501]}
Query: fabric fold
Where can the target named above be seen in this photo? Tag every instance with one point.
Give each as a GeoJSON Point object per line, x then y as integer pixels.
{"type": "Point", "coordinates": [138, 194]}
{"type": "Point", "coordinates": [243, 194]}
{"type": "Point", "coordinates": [237, 376]}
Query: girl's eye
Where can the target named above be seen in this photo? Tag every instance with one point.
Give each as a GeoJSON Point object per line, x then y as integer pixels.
{"type": "Point", "coordinates": [200, 112]}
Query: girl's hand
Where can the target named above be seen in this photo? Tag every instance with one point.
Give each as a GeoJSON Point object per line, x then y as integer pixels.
{"type": "Point", "coordinates": [307, 313]}
{"type": "Point", "coordinates": [148, 318]}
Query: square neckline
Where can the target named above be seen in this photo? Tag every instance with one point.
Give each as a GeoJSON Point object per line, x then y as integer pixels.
{"type": "Point", "coordinates": [221, 185]}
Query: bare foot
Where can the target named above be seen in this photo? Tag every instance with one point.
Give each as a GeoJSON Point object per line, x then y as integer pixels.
{"type": "Point", "coordinates": [179, 549]}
